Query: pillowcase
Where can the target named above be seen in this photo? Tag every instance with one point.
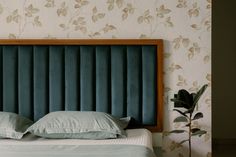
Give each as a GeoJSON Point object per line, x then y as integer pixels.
{"type": "Point", "coordinates": [13, 125]}
{"type": "Point", "coordinates": [77, 124]}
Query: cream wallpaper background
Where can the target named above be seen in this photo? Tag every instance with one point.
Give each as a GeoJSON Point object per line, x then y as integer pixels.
{"type": "Point", "coordinates": [185, 26]}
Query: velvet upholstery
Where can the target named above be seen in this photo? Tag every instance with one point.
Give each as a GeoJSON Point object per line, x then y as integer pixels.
{"type": "Point", "coordinates": [115, 79]}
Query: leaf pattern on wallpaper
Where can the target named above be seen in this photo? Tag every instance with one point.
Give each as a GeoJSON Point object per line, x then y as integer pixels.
{"type": "Point", "coordinates": [182, 4]}
{"type": "Point", "coordinates": [208, 4]}
{"type": "Point", "coordinates": [107, 28]}
{"type": "Point", "coordinates": [1, 9]}
{"type": "Point", "coordinates": [80, 25]}
{"type": "Point", "coordinates": [206, 59]}
{"type": "Point", "coordinates": [13, 17]}
{"type": "Point", "coordinates": [174, 67]}
{"type": "Point", "coordinates": [129, 9]}
{"type": "Point", "coordinates": [30, 11]}
{"type": "Point", "coordinates": [195, 87]}
{"type": "Point", "coordinates": [37, 22]}
{"type": "Point", "coordinates": [111, 4]}
{"type": "Point", "coordinates": [50, 4]}
{"type": "Point", "coordinates": [62, 11]}
{"type": "Point", "coordinates": [96, 16]}
{"type": "Point", "coordinates": [208, 78]}
{"type": "Point", "coordinates": [193, 50]}
{"type": "Point", "coordinates": [181, 81]}
{"type": "Point", "coordinates": [181, 41]}
{"type": "Point", "coordinates": [146, 17]}
{"type": "Point", "coordinates": [12, 36]}
{"type": "Point", "coordinates": [162, 11]}
{"type": "Point", "coordinates": [80, 3]}
{"type": "Point", "coordinates": [194, 12]}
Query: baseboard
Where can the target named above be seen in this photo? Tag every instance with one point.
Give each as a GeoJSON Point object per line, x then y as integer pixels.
{"type": "Point", "coordinates": [229, 141]}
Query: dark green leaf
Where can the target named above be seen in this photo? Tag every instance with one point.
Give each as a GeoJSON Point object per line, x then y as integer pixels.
{"type": "Point", "coordinates": [194, 130]}
{"type": "Point", "coordinates": [199, 133]}
{"type": "Point", "coordinates": [180, 119]}
{"type": "Point", "coordinates": [199, 94]}
{"type": "Point", "coordinates": [181, 142]}
{"type": "Point", "coordinates": [198, 116]}
{"type": "Point", "coordinates": [182, 113]}
{"type": "Point", "coordinates": [185, 97]}
{"type": "Point", "coordinates": [177, 131]}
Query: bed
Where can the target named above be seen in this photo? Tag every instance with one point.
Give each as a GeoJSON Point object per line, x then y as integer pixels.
{"type": "Point", "coordinates": [122, 77]}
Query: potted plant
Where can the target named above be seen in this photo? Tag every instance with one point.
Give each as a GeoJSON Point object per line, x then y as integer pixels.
{"type": "Point", "coordinates": [185, 104]}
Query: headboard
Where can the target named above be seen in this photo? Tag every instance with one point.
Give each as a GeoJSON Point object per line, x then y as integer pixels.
{"type": "Point", "coordinates": [122, 77]}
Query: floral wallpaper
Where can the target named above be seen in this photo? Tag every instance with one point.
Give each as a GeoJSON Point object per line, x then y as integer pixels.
{"type": "Point", "coordinates": [185, 26]}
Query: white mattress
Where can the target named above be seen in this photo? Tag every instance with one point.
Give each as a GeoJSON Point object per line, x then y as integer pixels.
{"type": "Point", "coordinates": [141, 137]}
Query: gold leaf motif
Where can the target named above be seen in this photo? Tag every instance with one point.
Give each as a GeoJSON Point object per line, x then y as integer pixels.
{"type": "Point", "coordinates": [63, 10]}
{"type": "Point", "coordinates": [162, 11]}
{"type": "Point", "coordinates": [167, 55]}
{"type": "Point", "coordinates": [208, 77]}
{"type": "Point", "coordinates": [206, 59]}
{"type": "Point", "coordinates": [195, 26]}
{"type": "Point", "coordinates": [181, 81]}
{"type": "Point", "coordinates": [143, 36]}
{"type": "Point", "coordinates": [79, 24]}
{"type": "Point", "coordinates": [181, 4]}
{"type": "Point", "coordinates": [50, 4]}
{"type": "Point", "coordinates": [146, 17]}
{"type": "Point", "coordinates": [207, 137]}
{"type": "Point", "coordinates": [168, 22]}
{"type": "Point", "coordinates": [80, 3]}
{"type": "Point", "coordinates": [108, 28]}
{"type": "Point", "coordinates": [174, 67]}
{"type": "Point", "coordinates": [119, 3]}
{"type": "Point", "coordinates": [30, 10]}
{"type": "Point", "coordinates": [37, 22]}
{"type": "Point", "coordinates": [96, 17]}
{"type": "Point", "coordinates": [110, 5]}
{"type": "Point", "coordinates": [129, 9]}
{"type": "Point", "coordinates": [195, 87]}
{"type": "Point", "coordinates": [15, 17]}
{"type": "Point", "coordinates": [194, 12]}
{"type": "Point", "coordinates": [1, 9]}
{"type": "Point", "coordinates": [12, 36]}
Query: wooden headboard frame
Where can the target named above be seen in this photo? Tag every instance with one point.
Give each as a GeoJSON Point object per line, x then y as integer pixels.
{"type": "Point", "coordinates": [157, 42]}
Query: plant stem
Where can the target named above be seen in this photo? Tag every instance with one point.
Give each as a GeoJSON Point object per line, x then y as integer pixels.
{"type": "Point", "coordinates": [189, 142]}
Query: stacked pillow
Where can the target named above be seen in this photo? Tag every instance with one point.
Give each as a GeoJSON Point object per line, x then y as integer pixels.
{"type": "Point", "coordinates": [66, 124]}
{"type": "Point", "coordinates": [13, 125]}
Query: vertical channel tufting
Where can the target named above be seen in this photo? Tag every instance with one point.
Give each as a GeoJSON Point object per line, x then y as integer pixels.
{"type": "Point", "coordinates": [40, 78]}
{"type": "Point", "coordinates": [134, 85]}
{"type": "Point", "coordinates": [1, 83]}
{"type": "Point", "coordinates": [118, 85]}
{"type": "Point", "coordinates": [25, 81]}
{"type": "Point", "coordinates": [10, 96]}
{"type": "Point", "coordinates": [72, 85]}
{"type": "Point", "coordinates": [102, 79]}
{"type": "Point", "coordinates": [149, 84]}
{"type": "Point", "coordinates": [56, 78]}
{"type": "Point", "coordinates": [87, 78]}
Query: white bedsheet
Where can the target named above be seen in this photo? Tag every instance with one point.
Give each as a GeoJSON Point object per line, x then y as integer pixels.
{"type": "Point", "coordinates": [141, 137]}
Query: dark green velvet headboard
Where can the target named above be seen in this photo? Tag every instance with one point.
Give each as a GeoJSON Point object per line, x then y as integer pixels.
{"type": "Point", "coordinates": [121, 77]}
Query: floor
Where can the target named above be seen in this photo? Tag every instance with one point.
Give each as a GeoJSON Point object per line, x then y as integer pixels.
{"type": "Point", "coordinates": [225, 150]}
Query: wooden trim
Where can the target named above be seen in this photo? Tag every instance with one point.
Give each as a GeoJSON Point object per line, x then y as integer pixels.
{"type": "Point", "coordinates": [157, 42]}
{"type": "Point", "coordinates": [80, 41]}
